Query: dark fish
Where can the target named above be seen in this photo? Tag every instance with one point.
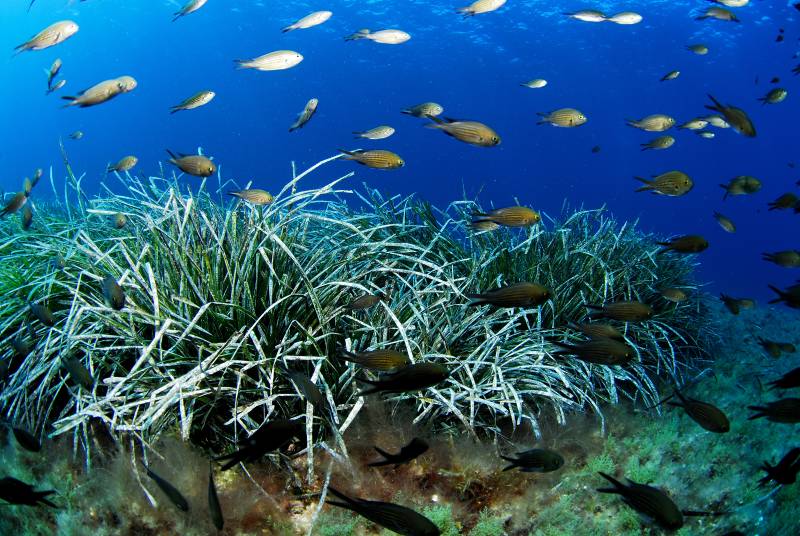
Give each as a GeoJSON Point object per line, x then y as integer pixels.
{"type": "Point", "coordinates": [16, 491]}
{"type": "Point", "coordinates": [413, 450]}
{"type": "Point", "coordinates": [788, 381]}
{"type": "Point", "coordinates": [623, 311]}
{"type": "Point", "coordinates": [113, 293]}
{"type": "Point", "coordinates": [650, 501]}
{"type": "Point", "coordinates": [413, 377]}
{"type": "Point", "coordinates": [26, 439]}
{"type": "Point", "coordinates": [684, 244]}
{"type": "Point", "coordinates": [42, 313]}
{"type": "Point", "coordinates": [598, 351]}
{"type": "Point", "coordinates": [516, 295]}
{"type": "Point", "coordinates": [213, 502]}
{"type": "Point", "coordinates": [271, 436]}
{"type": "Point", "coordinates": [775, 80]}
{"type": "Point", "coordinates": [364, 302]}
{"type": "Point", "coordinates": [535, 461]}
{"type": "Point", "coordinates": [598, 331]}
{"type": "Point", "coordinates": [771, 347]}
{"type": "Point", "coordinates": [789, 297]}
{"type": "Point", "coordinates": [735, 305]}
{"type": "Point", "coordinates": [708, 416]}
{"type": "Point", "coordinates": [784, 202]}
{"type": "Point", "coordinates": [16, 203]}
{"type": "Point", "coordinates": [394, 517]}
{"type": "Point", "coordinates": [21, 347]}
{"type": "Point", "coordinates": [169, 490]}
{"type": "Point", "coordinates": [785, 410]}
{"type": "Point", "coordinates": [596, 149]}
{"type": "Point", "coordinates": [385, 360]}
{"type": "Point", "coordinates": [77, 372]}
{"type": "Point", "coordinates": [736, 117]}
{"type": "Point", "coordinates": [785, 472]}
{"type": "Point", "coordinates": [306, 387]}
{"type": "Point", "coordinates": [27, 217]}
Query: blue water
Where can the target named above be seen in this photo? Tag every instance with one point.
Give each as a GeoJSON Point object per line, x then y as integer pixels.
{"type": "Point", "coordinates": [473, 67]}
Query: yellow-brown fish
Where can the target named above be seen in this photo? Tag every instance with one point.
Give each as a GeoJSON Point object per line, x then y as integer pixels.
{"type": "Point", "coordinates": [671, 183]}
{"type": "Point", "coordinates": [734, 305]}
{"type": "Point", "coordinates": [55, 87]}
{"type": "Point", "coordinates": [189, 7]}
{"type": "Point", "coordinates": [378, 133]}
{"type": "Point", "coordinates": [471, 132]}
{"type": "Point", "coordinates": [383, 360]}
{"type": "Point", "coordinates": [700, 50]}
{"type": "Point", "coordinates": [536, 83]}
{"type": "Point", "coordinates": [481, 6]}
{"type": "Point", "coordinates": [306, 115]}
{"type": "Point", "coordinates": [775, 349]}
{"type": "Point", "coordinates": [364, 302]}
{"type": "Point", "coordinates": [675, 295]}
{"type": "Point", "coordinates": [725, 222]}
{"type": "Point", "coordinates": [600, 351]}
{"type": "Point", "coordinates": [272, 61]}
{"type": "Point", "coordinates": [741, 185]}
{"type": "Point", "coordinates": [652, 123]}
{"type": "Point", "coordinates": [624, 311]}
{"type": "Point", "coordinates": [377, 159]}
{"type": "Point", "coordinates": [309, 21]}
{"type": "Point", "coordinates": [735, 117]}
{"type": "Point", "coordinates": [784, 202]}
{"type": "Point", "coordinates": [672, 75]}
{"type": "Point", "coordinates": [42, 313]}
{"type": "Point", "coordinates": [201, 98]}
{"type": "Point", "coordinates": [52, 35]}
{"type": "Point", "coordinates": [597, 330]}
{"type": "Point", "coordinates": [27, 217]}
{"type": "Point", "coordinates": [113, 293]}
{"type": "Point", "coordinates": [78, 373]}
{"type": "Point", "coordinates": [717, 121]}
{"type": "Point", "coordinates": [661, 142]}
{"type": "Point", "coordinates": [694, 124]}
{"type": "Point", "coordinates": [718, 13]}
{"type": "Point", "coordinates": [509, 216]}
{"type": "Point", "coordinates": [102, 92]}
{"type": "Point", "coordinates": [16, 203]}
{"type": "Point", "coordinates": [787, 259]}
{"type": "Point", "coordinates": [254, 196]}
{"type": "Point", "coordinates": [120, 220]}
{"type": "Point", "coordinates": [517, 295]}
{"type": "Point", "coordinates": [684, 244]}
{"type": "Point", "coordinates": [424, 110]}
{"type": "Point", "coordinates": [55, 67]}
{"type": "Point", "coordinates": [563, 117]}
{"type": "Point", "coordinates": [197, 165]}
{"type": "Point", "coordinates": [774, 96]}
{"type": "Point", "coordinates": [125, 164]}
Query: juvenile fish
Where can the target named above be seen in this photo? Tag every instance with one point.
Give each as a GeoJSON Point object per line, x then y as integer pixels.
{"type": "Point", "coordinates": [741, 185]}
{"type": "Point", "coordinates": [306, 387]}
{"type": "Point", "coordinates": [535, 461]}
{"type": "Point", "coordinates": [384, 359]}
{"type": "Point", "coordinates": [52, 35]}
{"type": "Point", "coordinates": [785, 472]}
{"type": "Point", "coordinates": [705, 134]}
{"type": "Point", "coordinates": [671, 183]}
{"type": "Point", "coordinates": [694, 124]}
{"type": "Point", "coordinates": [78, 373]}
{"type": "Point", "coordinates": [708, 416]}
{"type": "Point", "coordinates": [471, 132]}
{"type": "Point", "coordinates": [700, 50]}
{"type": "Point", "coordinates": [717, 121]}
{"type": "Point", "coordinates": [254, 196]}
{"type": "Point", "coordinates": [196, 165]}
{"type": "Point", "coordinates": [786, 259]}
{"type": "Point", "coordinates": [674, 295]}
{"type": "Point", "coordinates": [201, 98]}
{"type": "Point", "coordinates": [623, 311]}
{"type": "Point", "coordinates": [784, 202]}
{"type": "Point", "coordinates": [424, 110]}
{"type": "Point", "coordinates": [652, 123]}
{"type": "Point", "coordinates": [15, 491]}
{"type": "Point", "coordinates": [391, 516]}
{"type": "Point", "coordinates": [102, 92]}
{"type": "Point", "coordinates": [563, 117]}
{"type": "Point", "coordinates": [735, 305]}
{"type": "Point", "coordinates": [125, 164]}
{"type": "Point", "coordinates": [26, 439]}
{"type": "Point", "coordinates": [306, 115]}
{"type": "Point", "coordinates": [76, 135]}
{"type": "Point", "coordinates": [736, 117]}
{"type": "Point", "coordinates": [413, 450]}
{"type": "Point", "coordinates": [517, 295]}
{"type": "Point", "coordinates": [378, 133]}
{"type": "Point", "coordinates": [385, 37]}
{"type": "Point", "coordinates": [684, 244]}
{"type": "Point", "coordinates": [189, 7]}
{"type": "Point", "coordinates": [625, 18]}
{"type": "Point", "coordinates": [113, 293]}
{"type": "Point", "coordinates": [16, 203]}
{"type": "Point", "coordinates": [376, 159]}
{"type": "Point", "coordinates": [508, 217]}
{"type": "Point", "coordinates": [309, 21]}
{"type": "Point", "coordinates": [662, 142]}
{"type": "Point", "coordinates": [120, 220]}
{"type": "Point", "coordinates": [773, 348]}
{"type": "Point", "coordinates": [481, 6]}
{"type": "Point", "coordinates": [42, 314]}
{"type": "Point", "coordinates": [58, 85]}
{"type": "Point", "coordinates": [587, 15]}
{"type": "Point", "coordinates": [169, 490]}
{"type": "Point", "coordinates": [27, 217]}
{"type": "Point", "coordinates": [672, 75]}
{"type": "Point", "coordinates": [364, 302]}
{"type": "Point", "coordinates": [774, 96]}
{"type": "Point", "coordinates": [55, 67]}
{"type": "Point", "coordinates": [414, 377]}
{"type": "Point", "coordinates": [214, 508]}
{"type": "Point", "coordinates": [596, 351]}
{"type": "Point", "coordinates": [269, 437]}
{"type": "Point", "coordinates": [536, 83]}
{"type": "Point", "coordinates": [725, 222]}
{"type": "Point", "coordinates": [719, 14]}
{"type": "Point", "coordinates": [272, 61]}
{"type": "Point", "coordinates": [785, 410]}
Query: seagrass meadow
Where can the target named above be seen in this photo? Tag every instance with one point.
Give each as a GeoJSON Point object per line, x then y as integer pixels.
{"type": "Point", "coordinates": [224, 299]}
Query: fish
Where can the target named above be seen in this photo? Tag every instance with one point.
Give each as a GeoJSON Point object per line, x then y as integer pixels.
{"type": "Point", "coordinates": [201, 98]}
{"type": "Point", "coordinates": [396, 518]}
{"type": "Point", "coordinates": [694, 124]}
{"type": "Point", "coordinates": [125, 164]}
{"type": "Point", "coordinates": [706, 134]}
{"type": "Point", "coordinates": [120, 220]}
{"type": "Point", "coordinates": [189, 7]}
{"type": "Point", "coordinates": [102, 92]}
{"type": "Point", "coordinates": [378, 133]}
{"type": "Point", "coordinates": [53, 71]}
{"type": "Point", "coordinates": [717, 121]}
{"type": "Point", "coordinates": [596, 149]}
{"type": "Point", "coordinates": [647, 500]}
{"type": "Point", "coordinates": [731, 3]}
{"type": "Point", "coordinates": [214, 508]}
{"type": "Point", "coordinates": [309, 21]}
{"type": "Point", "coordinates": [272, 61]}
{"type": "Point", "coordinates": [26, 439]}
{"type": "Point", "coordinates": [736, 117]}
{"type": "Point", "coordinates": [785, 472]}
{"type": "Point", "coordinates": [383, 360]}
{"type": "Point", "coordinates": [424, 110]}
{"type": "Point", "coordinates": [661, 142]}
{"type": "Point", "coordinates": [56, 33]}
{"type": "Point", "coordinates": [21, 347]}
{"type": "Point", "coordinates": [376, 159]}
{"type": "Point", "coordinates": [675, 295]}
{"type": "Point", "coordinates": [113, 294]}
{"type": "Point", "coordinates": [508, 217]}
{"type": "Point", "coordinates": [536, 83]}
{"type": "Point", "coordinates": [700, 50]}
{"type": "Point", "coordinates": [563, 117]}
{"type": "Point", "coordinates": [735, 305]}
{"type": "Point", "coordinates": [671, 183]}
{"type": "Point", "coordinates": [775, 80]}
{"type": "Point", "coordinates": [624, 311]}
{"type": "Point", "coordinates": [413, 450]}
{"type": "Point", "coordinates": [719, 14]}
{"type": "Point", "coordinates": [787, 347]}
{"type": "Point", "coordinates": [37, 175]}
{"type": "Point", "coordinates": [784, 202]}
{"type": "Point", "coordinates": [535, 461]}
{"type": "Point", "coordinates": [625, 18]}
{"type": "Point", "coordinates": [58, 85]}
{"type": "Point", "coordinates": [774, 96]}
{"type": "Point", "coordinates": [471, 132]}
{"type": "Point", "coordinates": [78, 373]}
{"type": "Point", "coordinates": [600, 351]}
{"type": "Point", "coordinates": [269, 437]}
{"type": "Point", "coordinates": [787, 259]}
{"type": "Point", "coordinates": [169, 490]}
{"type": "Point", "coordinates": [385, 37]}
{"type": "Point", "coordinates": [522, 294]}
{"type": "Point", "coordinates": [771, 347]}
{"type": "Point", "coordinates": [708, 416]}
{"type": "Point", "coordinates": [413, 377]}
{"type": "Point", "coordinates": [27, 217]}
{"type": "Point", "coordinates": [672, 75]}
{"type": "Point", "coordinates": [741, 185]}
{"type": "Point", "coordinates": [598, 331]}
{"type": "Point", "coordinates": [196, 165]}
{"type": "Point", "coordinates": [253, 196]}
{"type": "Point", "coordinates": [306, 115]}
{"type": "Point", "coordinates": [42, 314]}
{"type": "Point", "coordinates": [364, 302]}
{"type": "Point", "coordinates": [76, 135]}
{"type": "Point", "coordinates": [785, 410]}
{"type": "Point", "coordinates": [481, 6]}
{"type": "Point", "coordinates": [725, 222]}
{"type": "Point", "coordinates": [15, 491]}
{"type": "Point", "coordinates": [789, 297]}
{"type": "Point", "coordinates": [684, 244]}
{"type": "Point", "coordinates": [587, 15]}
{"type": "Point", "coordinates": [652, 123]}
{"type": "Point", "coordinates": [790, 380]}
{"type": "Point", "coordinates": [16, 203]}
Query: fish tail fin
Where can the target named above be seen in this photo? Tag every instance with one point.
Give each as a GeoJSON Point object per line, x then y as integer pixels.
{"type": "Point", "coordinates": [512, 461]}
{"type": "Point", "coordinates": [361, 34]}
{"type": "Point", "coordinates": [347, 501]}
{"type": "Point", "coordinates": [478, 300]}
{"type": "Point", "coordinates": [171, 154]}
{"type": "Point", "coordinates": [631, 122]}
{"type": "Point", "coordinates": [41, 496]}
{"type": "Point", "coordinates": [241, 64]}
{"type": "Point", "coordinates": [777, 291]}
{"type": "Point", "coordinates": [174, 109]}
{"type": "Point", "coordinates": [647, 185]}
{"type": "Point", "coordinates": [760, 412]}
{"type": "Point", "coordinates": [348, 153]}
{"type": "Point", "coordinates": [357, 134]}
{"type": "Point", "coordinates": [437, 122]}
{"type": "Point", "coordinates": [619, 487]}
{"type": "Point", "coordinates": [287, 28]}
{"type": "Point", "coordinates": [370, 390]}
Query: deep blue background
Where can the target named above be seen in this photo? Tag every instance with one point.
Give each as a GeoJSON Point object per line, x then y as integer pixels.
{"type": "Point", "coordinates": [473, 67]}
